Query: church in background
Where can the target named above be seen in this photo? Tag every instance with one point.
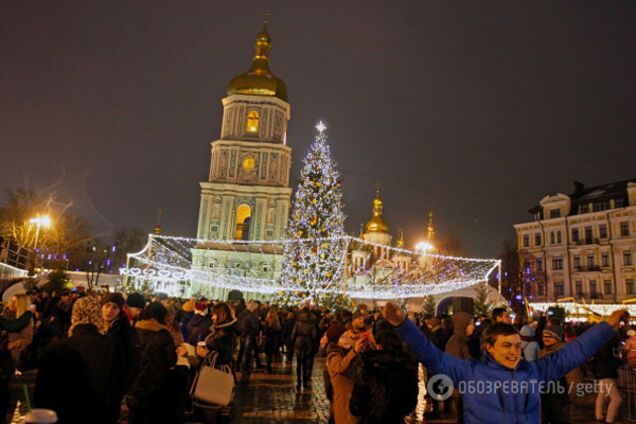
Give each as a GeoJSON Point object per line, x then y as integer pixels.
{"type": "Point", "coordinates": [247, 195]}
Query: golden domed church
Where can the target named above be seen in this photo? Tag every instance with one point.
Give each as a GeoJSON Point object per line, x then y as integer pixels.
{"type": "Point", "coordinates": [247, 194]}
{"type": "Point", "coordinates": [377, 230]}
{"type": "Point", "coordinates": [377, 233]}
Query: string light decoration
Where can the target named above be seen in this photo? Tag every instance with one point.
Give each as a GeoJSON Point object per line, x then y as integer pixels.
{"type": "Point", "coordinates": [256, 266]}
{"type": "Point", "coordinates": [314, 262]}
{"type": "Point", "coordinates": [583, 310]}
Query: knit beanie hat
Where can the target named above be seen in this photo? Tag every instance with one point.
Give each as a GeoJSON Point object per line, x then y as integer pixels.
{"type": "Point", "coordinates": [116, 298]}
{"type": "Point", "coordinates": [155, 311]}
{"type": "Point", "coordinates": [135, 300]}
{"type": "Point", "coordinates": [554, 330]}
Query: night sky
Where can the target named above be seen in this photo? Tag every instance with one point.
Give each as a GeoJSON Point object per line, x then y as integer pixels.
{"type": "Point", "coordinates": [472, 109]}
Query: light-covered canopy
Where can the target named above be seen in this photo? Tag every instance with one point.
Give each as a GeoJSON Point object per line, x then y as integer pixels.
{"type": "Point", "coordinates": [254, 266]}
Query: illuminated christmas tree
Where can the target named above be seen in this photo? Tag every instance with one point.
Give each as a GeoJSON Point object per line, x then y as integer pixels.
{"type": "Point", "coordinates": [313, 260]}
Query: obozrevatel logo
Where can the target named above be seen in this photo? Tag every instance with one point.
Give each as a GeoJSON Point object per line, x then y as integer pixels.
{"type": "Point", "coordinates": [440, 387]}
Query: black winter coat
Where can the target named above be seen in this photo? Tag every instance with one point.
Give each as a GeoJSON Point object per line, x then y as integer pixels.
{"type": "Point", "coordinates": [286, 330]}
{"type": "Point", "coordinates": [81, 375]}
{"type": "Point", "coordinates": [198, 328]}
{"type": "Point", "coordinates": [126, 335]}
{"type": "Point", "coordinates": [221, 340]}
{"type": "Point", "coordinates": [605, 364]}
{"type": "Point", "coordinates": [385, 387]}
{"type": "Point", "coordinates": [437, 337]}
{"type": "Point", "coordinates": [7, 367]}
{"type": "Point", "coordinates": [272, 339]}
{"type": "Point", "coordinates": [249, 324]}
{"type": "Point", "coordinates": [150, 390]}
{"type": "Point", "coordinates": [305, 333]}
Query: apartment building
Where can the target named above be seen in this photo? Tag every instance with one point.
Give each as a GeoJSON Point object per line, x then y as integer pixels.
{"type": "Point", "coordinates": [581, 245]}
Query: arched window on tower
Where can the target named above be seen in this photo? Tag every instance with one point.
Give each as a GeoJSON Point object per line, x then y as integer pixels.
{"type": "Point", "coordinates": [243, 218]}
{"type": "Point", "coordinates": [252, 122]}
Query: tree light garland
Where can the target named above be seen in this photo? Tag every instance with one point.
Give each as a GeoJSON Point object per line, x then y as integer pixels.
{"type": "Point", "coordinates": [313, 264]}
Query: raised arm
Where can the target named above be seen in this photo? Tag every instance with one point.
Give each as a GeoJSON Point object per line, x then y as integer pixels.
{"type": "Point", "coordinates": [424, 350]}
{"type": "Point", "coordinates": [555, 366]}
{"type": "Point", "coordinates": [16, 325]}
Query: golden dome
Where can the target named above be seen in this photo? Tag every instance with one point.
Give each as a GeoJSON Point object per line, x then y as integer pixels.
{"type": "Point", "coordinates": [376, 224]}
{"type": "Point", "coordinates": [259, 80]}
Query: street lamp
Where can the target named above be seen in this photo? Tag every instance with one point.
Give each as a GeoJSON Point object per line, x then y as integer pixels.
{"type": "Point", "coordinates": [39, 221]}
{"type": "Point", "coordinates": [424, 246]}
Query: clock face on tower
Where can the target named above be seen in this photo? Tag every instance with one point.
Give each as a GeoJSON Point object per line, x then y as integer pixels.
{"type": "Point", "coordinates": [248, 164]}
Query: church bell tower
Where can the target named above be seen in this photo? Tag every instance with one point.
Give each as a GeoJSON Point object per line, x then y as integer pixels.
{"type": "Point", "coordinates": [247, 194]}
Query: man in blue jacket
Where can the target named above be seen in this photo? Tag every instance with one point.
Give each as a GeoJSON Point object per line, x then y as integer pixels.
{"type": "Point", "coordinates": [503, 387]}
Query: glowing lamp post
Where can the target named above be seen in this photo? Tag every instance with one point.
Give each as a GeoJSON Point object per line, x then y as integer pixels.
{"type": "Point", "coordinates": [39, 222]}
{"type": "Point", "coordinates": [424, 247]}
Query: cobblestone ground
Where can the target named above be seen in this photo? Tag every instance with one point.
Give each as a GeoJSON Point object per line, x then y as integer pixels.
{"type": "Point", "coordinates": [272, 398]}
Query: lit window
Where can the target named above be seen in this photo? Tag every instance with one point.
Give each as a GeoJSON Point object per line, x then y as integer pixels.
{"type": "Point", "coordinates": [252, 122]}
{"type": "Point", "coordinates": [248, 164]}
{"type": "Point", "coordinates": [243, 217]}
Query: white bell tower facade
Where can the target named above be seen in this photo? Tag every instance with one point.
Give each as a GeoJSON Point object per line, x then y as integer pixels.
{"type": "Point", "coordinates": [247, 195]}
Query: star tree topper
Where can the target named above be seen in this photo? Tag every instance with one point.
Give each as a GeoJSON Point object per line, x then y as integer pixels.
{"type": "Point", "coordinates": [321, 127]}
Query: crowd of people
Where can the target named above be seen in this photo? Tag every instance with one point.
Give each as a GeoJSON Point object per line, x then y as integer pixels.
{"type": "Point", "coordinates": [97, 351]}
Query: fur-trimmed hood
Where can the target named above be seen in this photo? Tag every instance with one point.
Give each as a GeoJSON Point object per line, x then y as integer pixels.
{"type": "Point", "coordinates": [224, 325]}
{"type": "Point", "coordinates": [150, 325]}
